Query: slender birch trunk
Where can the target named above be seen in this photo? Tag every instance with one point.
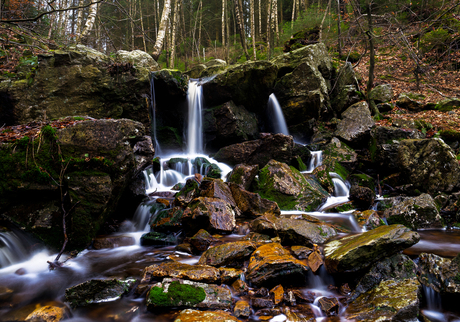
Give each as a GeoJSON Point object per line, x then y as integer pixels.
{"type": "Point", "coordinates": [273, 20]}
{"type": "Point", "coordinates": [322, 21]}
{"type": "Point", "coordinates": [162, 30]}
{"type": "Point", "coordinates": [90, 21]}
{"type": "Point", "coordinates": [176, 21]}
{"type": "Point", "coordinates": [142, 26]}
{"type": "Point", "coordinates": [260, 19]}
{"type": "Point", "coordinates": [224, 5]}
{"type": "Point", "coordinates": [239, 18]}
{"type": "Point", "coordinates": [269, 10]}
{"type": "Point", "coordinates": [293, 16]}
{"type": "Point", "coordinates": [277, 29]}
{"type": "Point", "coordinates": [199, 28]}
{"type": "Point", "coordinates": [253, 29]}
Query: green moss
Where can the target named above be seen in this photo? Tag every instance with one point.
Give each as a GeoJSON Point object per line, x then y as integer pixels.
{"type": "Point", "coordinates": [177, 295]}
{"type": "Point", "coordinates": [345, 207]}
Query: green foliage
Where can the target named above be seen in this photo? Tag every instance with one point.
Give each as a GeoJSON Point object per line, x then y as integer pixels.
{"type": "Point", "coordinates": [450, 135]}
{"type": "Point", "coordinates": [177, 295]}
{"type": "Point", "coordinates": [438, 39]}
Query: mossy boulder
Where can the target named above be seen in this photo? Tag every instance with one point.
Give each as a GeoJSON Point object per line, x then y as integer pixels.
{"type": "Point", "coordinates": [368, 219]}
{"type": "Point", "coordinates": [271, 265]}
{"type": "Point", "coordinates": [354, 253]}
{"type": "Point", "coordinates": [411, 101]}
{"type": "Point", "coordinates": [390, 300]}
{"type": "Point", "coordinates": [246, 84]}
{"type": "Point", "coordinates": [381, 93]}
{"type": "Point", "coordinates": [258, 152]}
{"type": "Point", "coordinates": [209, 213]}
{"type": "Point", "coordinates": [183, 293]}
{"type": "Point", "coordinates": [97, 291]}
{"type": "Point", "coordinates": [447, 105]}
{"type": "Point", "coordinates": [189, 192]}
{"type": "Point", "coordinates": [137, 58]}
{"type": "Point", "coordinates": [216, 188]}
{"type": "Point", "coordinates": [250, 204]}
{"type": "Point", "coordinates": [428, 164]}
{"type": "Point", "coordinates": [227, 254]}
{"type": "Point", "coordinates": [439, 273]}
{"type": "Point", "coordinates": [228, 124]}
{"type": "Point", "coordinates": [167, 220]}
{"type": "Point", "coordinates": [414, 212]}
{"type": "Point", "coordinates": [345, 89]}
{"type": "Point", "coordinates": [289, 188]}
{"type": "Point", "coordinates": [243, 175]}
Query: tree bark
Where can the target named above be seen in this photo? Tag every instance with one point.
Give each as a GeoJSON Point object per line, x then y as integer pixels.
{"type": "Point", "coordinates": [174, 30]}
{"type": "Point", "coordinates": [253, 29]}
{"type": "Point", "coordinates": [224, 5]}
{"type": "Point", "coordinates": [90, 21]}
{"type": "Point", "coordinates": [239, 18]}
{"type": "Point", "coordinates": [370, 36]}
{"type": "Point", "coordinates": [293, 16]}
{"type": "Point", "coordinates": [269, 11]}
{"type": "Point", "coordinates": [322, 21]}
{"type": "Point", "coordinates": [260, 19]}
{"type": "Point", "coordinates": [162, 30]}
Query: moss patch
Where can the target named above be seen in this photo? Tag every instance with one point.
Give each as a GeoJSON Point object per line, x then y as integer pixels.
{"type": "Point", "coordinates": [177, 295]}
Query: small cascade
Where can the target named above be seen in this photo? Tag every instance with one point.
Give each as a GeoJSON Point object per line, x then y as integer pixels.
{"type": "Point", "coordinates": [153, 105]}
{"type": "Point", "coordinates": [13, 248]}
{"type": "Point", "coordinates": [194, 126]}
{"type": "Point", "coordinates": [315, 161]}
{"type": "Point", "coordinates": [276, 116]}
{"type": "Point", "coordinates": [142, 216]}
{"type": "Point", "coordinates": [340, 187]}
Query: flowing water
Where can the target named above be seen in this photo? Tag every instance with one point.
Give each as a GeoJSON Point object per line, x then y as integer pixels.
{"type": "Point", "coordinates": [26, 281]}
{"type": "Point", "coordinates": [276, 116]}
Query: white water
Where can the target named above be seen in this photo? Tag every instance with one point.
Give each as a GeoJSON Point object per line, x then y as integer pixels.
{"type": "Point", "coordinates": [195, 119]}
{"type": "Point", "coordinates": [153, 107]}
{"type": "Point", "coordinates": [13, 248]}
{"type": "Point", "coordinates": [276, 116]}
{"type": "Point", "coordinates": [316, 160]}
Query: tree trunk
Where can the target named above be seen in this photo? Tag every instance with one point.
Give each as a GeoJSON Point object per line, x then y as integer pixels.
{"type": "Point", "coordinates": [260, 19]}
{"type": "Point", "coordinates": [142, 26]}
{"type": "Point", "coordinates": [90, 21]}
{"type": "Point", "coordinates": [224, 5]}
{"type": "Point", "coordinates": [200, 10]}
{"type": "Point", "coordinates": [293, 17]}
{"type": "Point", "coordinates": [162, 30]}
{"type": "Point", "coordinates": [275, 5]}
{"type": "Point", "coordinates": [322, 21]}
{"type": "Point", "coordinates": [269, 10]}
{"type": "Point", "coordinates": [239, 18]}
{"type": "Point", "coordinates": [174, 30]}
{"type": "Point", "coordinates": [253, 29]}
{"type": "Point", "coordinates": [370, 36]}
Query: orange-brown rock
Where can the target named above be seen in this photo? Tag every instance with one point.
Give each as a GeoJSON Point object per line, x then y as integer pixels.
{"type": "Point", "coordinates": [242, 309]}
{"type": "Point", "coordinates": [199, 273]}
{"type": "Point", "coordinates": [272, 264]}
{"type": "Point", "coordinates": [229, 275]}
{"type": "Point", "coordinates": [47, 314]}
{"type": "Point", "coordinates": [190, 315]}
{"type": "Point", "coordinates": [240, 287]}
{"type": "Point", "coordinates": [315, 260]}
{"type": "Point", "coordinates": [226, 254]}
{"type": "Point", "coordinates": [252, 204]}
{"type": "Point", "coordinates": [277, 294]}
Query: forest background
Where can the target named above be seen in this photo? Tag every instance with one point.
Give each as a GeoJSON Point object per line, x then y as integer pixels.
{"type": "Point", "coordinates": [413, 45]}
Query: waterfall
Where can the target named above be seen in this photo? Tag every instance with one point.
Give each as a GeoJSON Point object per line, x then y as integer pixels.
{"type": "Point", "coordinates": [153, 105]}
{"type": "Point", "coordinates": [194, 126]}
{"type": "Point", "coordinates": [340, 187]}
{"type": "Point", "coordinates": [12, 248]}
{"type": "Point", "coordinates": [275, 114]}
{"type": "Point", "coordinates": [315, 161]}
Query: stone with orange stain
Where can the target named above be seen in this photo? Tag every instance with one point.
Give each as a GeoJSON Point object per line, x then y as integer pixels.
{"type": "Point", "coordinates": [190, 315]}
{"type": "Point", "coordinates": [199, 273]}
{"type": "Point", "coordinates": [47, 313]}
{"type": "Point", "coordinates": [164, 201]}
{"type": "Point", "coordinates": [277, 294]}
{"type": "Point", "coordinates": [228, 253]}
{"type": "Point", "coordinates": [315, 261]}
{"type": "Point", "coordinates": [272, 264]}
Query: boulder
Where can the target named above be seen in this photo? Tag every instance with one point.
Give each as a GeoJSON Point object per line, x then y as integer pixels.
{"type": "Point", "coordinates": [183, 293]}
{"type": "Point", "coordinates": [428, 164]}
{"type": "Point", "coordinates": [190, 315]}
{"type": "Point", "coordinates": [137, 58]}
{"type": "Point", "coordinates": [258, 152]}
{"type": "Point", "coordinates": [47, 313]}
{"type": "Point", "coordinates": [344, 93]}
{"type": "Point", "coordinates": [448, 104]}
{"type": "Point", "coordinates": [324, 178]}
{"type": "Point", "coordinates": [189, 192]}
{"type": "Point", "coordinates": [356, 124]}
{"type": "Point", "coordinates": [362, 196]}
{"type": "Point", "coordinates": [246, 84]}
{"type": "Point", "coordinates": [381, 93]}
{"type": "Point", "coordinates": [228, 124]}
{"type": "Point", "coordinates": [229, 275]}
{"type": "Point", "coordinates": [368, 219]}
{"type": "Point", "coordinates": [305, 230]}
{"type": "Point", "coordinates": [414, 212]}
{"type": "Point", "coordinates": [338, 151]}
{"type": "Point", "coordinates": [289, 188]}
{"type": "Point", "coordinates": [201, 240]}
{"type": "Point", "coordinates": [214, 66]}
{"type": "Point", "coordinates": [227, 254]}
{"type": "Point", "coordinates": [251, 204]}
{"type": "Point", "coordinates": [197, 273]}
{"type": "Point", "coordinates": [155, 238]}
{"type": "Point", "coordinates": [216, 188]}
{"type": "Point", "coordinates": [271, 264]}
{"type": "Point", "coordinates": [397, 267]}
{"type": "Point", "coordinates": [196, 71]}
{"type": "Point", "coordinates": [439, 273]}
{"type": "Point", "coordinates": [390, 300]}
{"type": "Point", "coordinates": [167, 220]}
{"type": "Point", "coordinates": [242, 309]}
{"type": "Point", "coordinates": [385, 142]}
{"type": "Point", "coordinates": [243, 174]}
{"type": "Point", "coordinates": [410, 101]}
{"type": "Point", "coordinates": [354, 253]}
{"type": "Point", "coordinates": [97, 291]}
{"type": "Point", "coordinates": [209, 213]}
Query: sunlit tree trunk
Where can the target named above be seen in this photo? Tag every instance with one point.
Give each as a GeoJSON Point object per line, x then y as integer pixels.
{"type": "Point", "coordinates": [253, 29]}
{"type": "Point", "coordinates": [273, 20]}
{"type": "Point", "coordinates": [276, 21]}
{"type": "Point", "coordinates": [142, 26]}
{"type": "Point", "coordinates": [224, 5]}
{"type": "Point", "coordinates": [260, 19]}
{"type": "Point", "coordinates": [293, 16]}
{"type": "Point", "coordinates": [322, 21]}
{"type": "Point", "coordinates": [90, 21]}
{"type": "Point", "coordinates": [239, 18]}
{"type": "Point", "coordinates": [200, 10]}
{"type": "Point", "coordinates": [174, 31]}
{"type": "Point", "coordinates": [162, 30]}
{"type": "Point", "coordinates": [269, 10]}
{"type": "Point", "coordinates": [79, 20]}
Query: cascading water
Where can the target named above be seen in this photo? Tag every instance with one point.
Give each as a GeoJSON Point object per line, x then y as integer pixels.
{"type": "Point", "coordinates": [316, 160]}
{"type": "Point", "coordinates": [276, 116]}
{"type": "Point", "coordinates": [153, 106]}
{"type": "Point", "coordinates": [194, 126]}
{"type": "Point", "coordinates": [12, 248]}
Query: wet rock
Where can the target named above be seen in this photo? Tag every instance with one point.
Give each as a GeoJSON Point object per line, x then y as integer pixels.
{"type": "Point", "coordinates": [344, 93]}
{"type": "Point", "coordinates": [190, 315]}
{"type": "Point", "coordinates": [214, 66]}
{"type": "Point", "coordinates": [315, 260]}
{"type": "Point", "coordinates": [389, 301]}
{"type": "Point", "coordinates": [242, 309]}
{"type": "Point", "coordinates": [447, 105]}
{"type": "Point", "coordinates": [289, 188]}
{"type": "Point", "coordinates": [228, 124]}
{"type": "Point", "coordinates": [216, 188]}
{"type": "Point", "coordinates": [154, 238]}
{"type": "Point", "coordinates": [439, 273]}
{"type": "Point", "coordinates": [353, 253]}
{"type": "Point", "coordinates": [47, 314]}
{"type": "Point", "coordinates": [385, 142]}
{"type": "Point", "coordinates": [198, 273]}
{"type": "Point", "coordinates": [329, 305]}
{"type": "Point", "coordinates": [143, 153]}
{"type": "Point", "coordinates": [240, 287]}
{"type": "Point", "coordinates": [410, 101]}
{"type": "Point", "coordinates": [362, 196]}
{"type": "Point", "coordinates": [260, 303]}
{"type": "Point", "coordinates": [246, 84]}
{"type": "Point", "coordinates": [256, 237]}
{"type": "Point", "coordinates": [272, 264]}
{"type": "Point", "coordinates": [251, 204]}
{"type": "Point", "coordinates": [299, 313]}
{"type": "Point", "coordinates": [324, 178]}
{"type": "Point", "coordinates": [227, 254]}
{"type": "Point", "coordinates": [368, 219]}
{"type": "Point", "coordinates": [166, 220]}
{"type": "Point", "coordinates": [430, 165]}
{"type": "Point", "coordinates": [381, 93]}
{"type": "Point", "coordinates": [362, 180]}
{"type": "Point", "coordinates": [209, 213]}
{"type": "Point", "coordinates": [301, 252]}
{"type": "Point", "coordinates": [137, 58]}
{"type": "Point", "coordinates": [337, 153]}
{"type": "Point", "coordinates": [229, 275]}
{"type": "Point", "coordinates": [187, 193]}
{"type": "Point", "coordinates": [294, 230]}
{"type": "Point", "coordinates": [243, 175]}
{"type": "Point", "coordinates": [258, 152]}
{"type": "Point", "coordinates": [185, 248]}
{"type": "Point", "coordinates": [180, 293]}
{"type": "Point", "coordinates": [277, 294]}
{"type": "Point", "coordinates": [356, 124]}
{"type": "Point", "coordinates": [113, 242]}
{"type": "Point", "coordinates": [414, 212]}
{"type": "Point", "coordinates": [97, 291]}
{"type": "Point", "coordinates": [201, 240]}
{"type": "Point", "coordinates": [397, 267]}
{"type": "Point", "coordinates": [196, 71]}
